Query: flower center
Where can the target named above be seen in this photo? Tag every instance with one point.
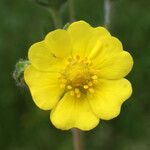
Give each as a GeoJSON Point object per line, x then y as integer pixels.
{"type": "Point", "coordinates": [78, 77]}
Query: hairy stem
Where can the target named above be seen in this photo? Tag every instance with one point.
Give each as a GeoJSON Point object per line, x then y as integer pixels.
{"type": "Point", "coordinates": [77, 139]}
{"type": "Point", "coordinates": [107, 13]}
{"type": "Point", "coordinates": [71, 10]}
{"type": "Point", "coordinates": [56, 18]}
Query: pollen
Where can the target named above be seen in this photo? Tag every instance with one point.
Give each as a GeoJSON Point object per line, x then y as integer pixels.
{"type": "Point", "coordinates": [69, 87]}
{"type": "Point", "coordinates": [78, 76]}
{"type": "Point", "coordinates": [94, 77]}
{"type": "Point", "coordinates": [86, 86]}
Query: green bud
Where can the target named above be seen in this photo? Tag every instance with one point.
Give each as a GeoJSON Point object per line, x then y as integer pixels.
{"type": "Point", "coordinates": [66, 26]}
{"type": "Point", "coordinates": [19, 70]}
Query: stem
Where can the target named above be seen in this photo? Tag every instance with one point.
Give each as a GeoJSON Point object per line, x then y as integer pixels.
{"type": "Point", "coordinates": [77, 139]}
{"type": "Point", "coordinates": [44, 4]}
{"type": "Point", "coordinates": [71, 10]}
{"type": "Point", "coordinates": [56, 18]}
{"type": "Point", "coordinates": [107, 13]}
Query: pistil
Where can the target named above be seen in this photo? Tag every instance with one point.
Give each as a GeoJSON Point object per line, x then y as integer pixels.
{"type": "Point", "coordinates": [77, 77]}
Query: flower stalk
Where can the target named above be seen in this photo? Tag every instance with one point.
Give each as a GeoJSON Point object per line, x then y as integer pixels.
{"type": "Point", "coordinates": [55, 13]}
{"type": "Point", "coordinates": [54, 10]}
{"type": "Point", "coordinates": [77, 139]}
{"type": "Point", "coordinates": [107, 13]}
{"type": "Point", "coordinates": [71, 10]}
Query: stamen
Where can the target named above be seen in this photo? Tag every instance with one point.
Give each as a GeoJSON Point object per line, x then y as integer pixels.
{"type": "Point", "coordinates": [78, 95]}
{"type": "Point", "coordinates": [62, 86]}
{"type": "Point", "coordinates": [64, 81]}
{"type": "Point", "coordinates": [69, 87]}
{"type": "Point", "coordinates": [86, 86]}
{"type": "Point", "coordinates": [76, 90]}
{"type": "Point", "coordinates": [90, 83]}
{"type": "Point", "coordinates": [72, 93]}
{"type": "Point", "coordinates": [94, 77]}
{"type": "Point", "coordinates": [94, 81]}
{"type": "Point", "coordinates": [91, 90]}
{"type": "Point", "coordinates": [78, 76]}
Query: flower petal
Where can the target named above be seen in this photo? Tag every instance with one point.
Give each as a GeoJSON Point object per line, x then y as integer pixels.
{"type": "Point", "coordinates": [59, 42]}
{"type": "Point", "coordinates": [73, 112]}
{"type": "Point", "coordinates": [95, 43]}
{"type": "Point", "coordinates": [44, 87]}
{"type": "Point", "coordinates": [101, 32]}
{"type": "Point", "coordinates": [42, 59]}
{"type": "Point", "coordinates": [110, 94]}
{"type": "Point", "coordinates": [108, 47]}
{"type": "Point", "coordinates": [115, 67]}
{"type": "Point", "coordinates": [80, 33]}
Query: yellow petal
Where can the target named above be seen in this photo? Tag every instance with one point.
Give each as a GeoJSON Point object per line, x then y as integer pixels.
{"type": "Point", "coordinates": [101, 32]}
{"type": "Point", "coordinates": [96, 40]}
{"type": "Point", "coordinates": [42, 59]}
{"type": "Point", "coordinates": [44, 87]}
{"type": "Point", "coordinates": [108, 97]}
{"type": "Point", "coordinates": [73, 112]}
{"type": "Point", "coordinates": [115, 67]}
{"type": "Point", "coordinates": [108, 47]}
{"type": "Point", "coordinates": [80, 33]}
{"type": "Point", "coordinates": [59, 42]}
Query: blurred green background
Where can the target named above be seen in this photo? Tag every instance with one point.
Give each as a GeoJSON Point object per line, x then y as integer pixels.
{"type": "Point", "coordinates": [25, 127]}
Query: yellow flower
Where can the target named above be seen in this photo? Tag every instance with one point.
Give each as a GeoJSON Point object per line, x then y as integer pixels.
{"type": "Point", "coordinates": [78, 74]}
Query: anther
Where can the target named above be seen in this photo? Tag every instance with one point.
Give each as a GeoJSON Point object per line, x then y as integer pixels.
{"type": "Point", "coordinates": [94, 77]}
{"type": "Point", "coordinates": [94, 81]}
{"type": "Point", "coordinates": [76, 90]}
{"type": "Point", "coordinates": [69, 87]}
{"type": "Point", "coordinates": [72, 93]}
{"type": "Point", "coordinates": [86, 86]}
{"type": "Point", "coordinates": [91, 90]}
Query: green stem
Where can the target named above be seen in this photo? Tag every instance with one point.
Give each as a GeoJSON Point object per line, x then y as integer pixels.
{"type": "Point", "coordinates": [107, 13]}
{"type": "Point", "coordinates": [56, 18]}
{"type": "Point", "coordinates": [77, 139]}
{"type": "Point", "coordinates": [71, 10]}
